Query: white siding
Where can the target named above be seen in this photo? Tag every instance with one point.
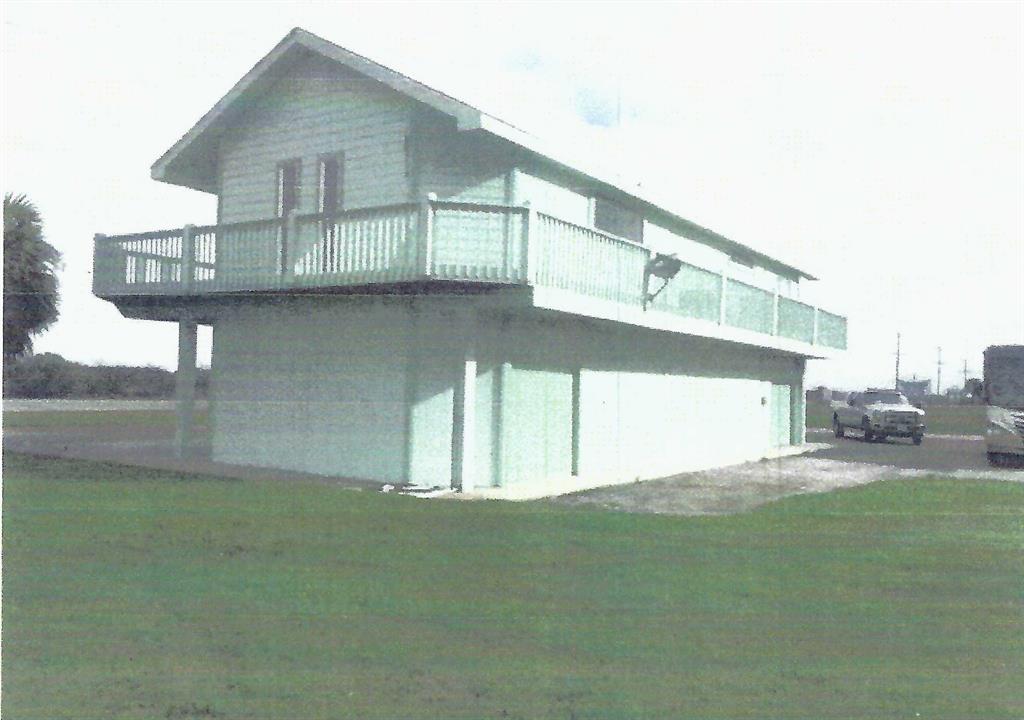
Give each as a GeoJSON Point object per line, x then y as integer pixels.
{"type": "Point", "coordinates": [312, 387]}
{"type": "Point", "coordinates": [690, 251]}
{"type": "Point", "coordinates": [434, 347]}
{"type": "Point", "coordinates": [552, 198]}
{"type": "Point", "coordinates": [650, 405]}
{"type": "Point", "coordinates": [662, 240]}
{"type": "Point", "coordinates": [644, 425]}
{"type": "Point", "coordinates": [537, 425]}
{"type": "Point", "coordinates": [318, 107]}
{"type": "Point", "coordinates": [365, 388]}
{"type": "Point", "coordinates": [462, 166]}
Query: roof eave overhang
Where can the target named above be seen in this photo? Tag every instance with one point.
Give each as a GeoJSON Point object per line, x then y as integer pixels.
{"type": "Point", "coordinates": [179, 166]}
{"type": "Point", "coordinates": [191, 161]}
{"type": "Point", "coordinates": [575, 166]}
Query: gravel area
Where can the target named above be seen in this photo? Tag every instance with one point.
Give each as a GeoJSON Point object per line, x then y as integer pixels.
{"type": "Point", "coordinates": [742, 487]}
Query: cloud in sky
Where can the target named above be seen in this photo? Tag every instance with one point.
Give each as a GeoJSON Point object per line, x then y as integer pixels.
{"type": "Point", "coordinates": [879, 145]}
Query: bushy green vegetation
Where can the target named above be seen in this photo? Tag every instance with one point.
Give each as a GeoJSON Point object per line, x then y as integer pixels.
{"type": "Point", "coordinates": [30, 277]}
{"type": "Point", "coordinates": [131, 593]}
{"type": "Point", "coordinates": [48, 375]}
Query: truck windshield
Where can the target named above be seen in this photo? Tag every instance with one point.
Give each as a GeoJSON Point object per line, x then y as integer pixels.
{"type": "Point", "coordinates": [888, 398]}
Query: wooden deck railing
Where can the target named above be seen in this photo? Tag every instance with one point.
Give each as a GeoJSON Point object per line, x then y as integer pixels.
{"type": "Point", "coordinates": [438, 240]}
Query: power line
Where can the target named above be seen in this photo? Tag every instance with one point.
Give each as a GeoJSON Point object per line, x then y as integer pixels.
{"type": "Point", "coordinates": [897, 385]}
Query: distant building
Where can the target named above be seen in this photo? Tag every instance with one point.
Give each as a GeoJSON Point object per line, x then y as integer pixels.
{"type": "Point", "coordinates": [915, 388]}
{"type": "Point", "coordinates": [819, 394]}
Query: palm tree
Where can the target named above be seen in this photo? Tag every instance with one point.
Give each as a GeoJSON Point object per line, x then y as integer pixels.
{"type": "Point", "coordinates": [30, 276]}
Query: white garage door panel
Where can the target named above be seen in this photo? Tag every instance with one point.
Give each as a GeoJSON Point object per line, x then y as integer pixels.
{"type": "Point", "coordinates": [646, 425]}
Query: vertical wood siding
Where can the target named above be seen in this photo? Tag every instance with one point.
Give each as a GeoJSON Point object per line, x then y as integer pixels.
{"type": "Point", "coordinates": [650, 405]}
{"type": "Point", "coordinates": [360, 388]}
{"type": "Point", "coordinates": [308, 388]}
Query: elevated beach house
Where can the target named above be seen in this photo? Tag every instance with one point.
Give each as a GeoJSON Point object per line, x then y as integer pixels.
{"type": "Point", "coordinates": [406, 289]}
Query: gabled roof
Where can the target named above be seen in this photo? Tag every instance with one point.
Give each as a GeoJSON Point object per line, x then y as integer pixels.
{"type": "Point", "coordinates": [183, 164]}
{"type": "Point", "coordinates": [190, 161]}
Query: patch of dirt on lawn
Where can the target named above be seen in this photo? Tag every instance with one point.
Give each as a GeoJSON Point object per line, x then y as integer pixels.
{"type": "Point", "coordinates": [743, 487]}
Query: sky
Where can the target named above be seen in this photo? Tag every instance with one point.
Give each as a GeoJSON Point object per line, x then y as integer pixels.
{"type": "Point", "coordinates": [876, 145]}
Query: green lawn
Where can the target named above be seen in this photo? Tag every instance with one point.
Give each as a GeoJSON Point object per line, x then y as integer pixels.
{"type": "Point", "coordinates": [140, 594]}
{"type": "Point", "coordinates": [941, 419]}
{"type": "Point", "coordinates": [59, 419]}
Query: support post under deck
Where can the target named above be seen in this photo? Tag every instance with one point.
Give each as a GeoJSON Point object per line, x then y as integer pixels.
{"type": "Point", "coordinates": [464, 416]}
{"type": "Point", "coordinates": [185, 385]}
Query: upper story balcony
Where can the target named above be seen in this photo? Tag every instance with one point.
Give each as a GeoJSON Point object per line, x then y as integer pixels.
{"type": "Point", "coordinates": [567, 267]}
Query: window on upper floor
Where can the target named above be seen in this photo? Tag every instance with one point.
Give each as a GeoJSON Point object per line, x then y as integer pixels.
{"type": "Point", "coordinates": [617, 220]}
{"type": "Point", "coordinates": [330, 183]}
{"type": "Point", "coordinates": [289, 179]}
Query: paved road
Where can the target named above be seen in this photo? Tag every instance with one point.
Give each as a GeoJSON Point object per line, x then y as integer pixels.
{"type": "Point", "coordinates": [942, 453]}
{"type": "Point", "coordinates": [62, 405]}
{"type": "Point", "coordinates": [146, 446]}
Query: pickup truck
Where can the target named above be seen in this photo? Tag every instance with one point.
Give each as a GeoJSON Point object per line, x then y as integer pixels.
{"type": "Point", "coordinates": [879, 414]}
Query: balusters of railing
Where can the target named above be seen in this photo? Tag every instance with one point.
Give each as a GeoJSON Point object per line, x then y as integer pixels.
{"type": "Point", "coordinates": [530, 242]}
{"type": "Point", "coordinates": [723, 297]}
{"type": "Point", "coordinates": [188, 256]}
{"type": "Point", "coordinates": [425, 221]}
{"type": "Point", "coordinates": [775, 313]}
{"type": "Point", "coordinates": [139, 269]}
{"type": "Point", "coordinates": [289, 237]}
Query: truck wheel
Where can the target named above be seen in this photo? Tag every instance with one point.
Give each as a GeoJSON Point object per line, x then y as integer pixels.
{"type": "Point", "coordinates": [869, 435]}
{"type": "Point", "coordinates": [837, 427]}
{"type": "Point", "coordinates": [918, 439]}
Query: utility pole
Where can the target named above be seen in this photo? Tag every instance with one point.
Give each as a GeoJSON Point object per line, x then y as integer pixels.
{"type": "Point", "coordinates": [938, 380]}
{"type": "Point", "coordinates": [965, 373]}
{"type": "Point", "coordinates": [897, 386]}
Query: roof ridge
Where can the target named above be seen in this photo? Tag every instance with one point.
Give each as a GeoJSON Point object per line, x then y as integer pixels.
{"type": "Point", "coordinates": [468, 117]}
